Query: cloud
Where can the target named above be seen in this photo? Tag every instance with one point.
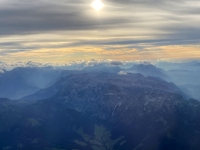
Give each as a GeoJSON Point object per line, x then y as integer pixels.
{"type": "Point", "coordinates": [32, 27]}
{"type": "Point", "coordinates": [50, 17]}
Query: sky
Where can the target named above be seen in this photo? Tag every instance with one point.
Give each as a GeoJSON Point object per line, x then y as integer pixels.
{"type": "Point", "coordinates": [69, 30]}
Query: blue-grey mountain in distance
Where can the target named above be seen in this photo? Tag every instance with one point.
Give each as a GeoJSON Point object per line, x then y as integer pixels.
{"type": "Point", "coordinates": [25, 81]}
{"type": "Point", "coordinates": [149, 70]}
{"type": "Point", "coordinates": [20, 82]}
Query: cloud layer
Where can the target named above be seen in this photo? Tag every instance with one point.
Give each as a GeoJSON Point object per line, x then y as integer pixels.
{"type": "Point", "coordinates": [71, 29]}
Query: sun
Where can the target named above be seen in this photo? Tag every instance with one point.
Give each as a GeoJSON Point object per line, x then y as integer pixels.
{"type": "Point", "coordinates": [97, 5]}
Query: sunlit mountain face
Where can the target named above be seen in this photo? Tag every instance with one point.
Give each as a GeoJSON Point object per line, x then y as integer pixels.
{"type": "Point", "coordinates": [99, 75]}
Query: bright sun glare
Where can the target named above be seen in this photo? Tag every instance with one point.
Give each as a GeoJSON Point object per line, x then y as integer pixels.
{"type": "Point", "coordinates": [97, 5]}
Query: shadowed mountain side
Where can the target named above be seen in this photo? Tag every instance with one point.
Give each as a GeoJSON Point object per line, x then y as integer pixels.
{"type": "Point", "coordinates": [52, 90]}
{"type": "Point", "coordinates": [44, 126]}
{"type": "Point", "coordinates": [99, 68]}
{"type": "Point", "coordinates": [135, 80]}
{"type": "Point", "coordinates": [101, 111]}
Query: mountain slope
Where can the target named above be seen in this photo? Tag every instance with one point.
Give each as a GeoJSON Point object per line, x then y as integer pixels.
{"type": "Point", "coordinates": [47, 125]}
{"type": "Point", "coordinates": [136, 79]}
{"type": "Point", "coordinates": [45, 93]}
{"type": "Point", "coordinates": [145, 111]}
{"type": "Point", "coordinates": [104, 111]}
{"type": "Point", "coordinates": [20, 82]}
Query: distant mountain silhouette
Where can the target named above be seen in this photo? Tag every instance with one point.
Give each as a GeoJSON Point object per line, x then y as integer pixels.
{"type": "Point", "coordinates": [20, 82]}
{"type": "Point", "coordinates": [149, 70]}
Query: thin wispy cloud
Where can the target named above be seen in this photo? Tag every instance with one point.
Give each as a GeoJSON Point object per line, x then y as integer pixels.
{"type": "Point", "coordinates": [41, 25]}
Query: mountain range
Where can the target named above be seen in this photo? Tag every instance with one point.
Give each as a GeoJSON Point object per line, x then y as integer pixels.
{"type": "Point", "coordinates": [103, 111]}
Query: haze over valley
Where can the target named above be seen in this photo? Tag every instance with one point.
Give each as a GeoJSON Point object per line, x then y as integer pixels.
{"type": "Point", "coordinates": [99, 75]}
{"type": "Point", "coordinates": [100, 105]}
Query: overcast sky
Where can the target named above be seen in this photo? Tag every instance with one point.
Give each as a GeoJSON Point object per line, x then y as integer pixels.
{"type": "Point", "coordinates": [65, 30]}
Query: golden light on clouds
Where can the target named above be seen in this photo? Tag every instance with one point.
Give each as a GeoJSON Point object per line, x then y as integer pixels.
{"type": "Point", "coordinates": [71, 30]}
{"type": "Point", "coordinates": [116, 52]}
{"type": "Point", "coordinates": [181, 52]}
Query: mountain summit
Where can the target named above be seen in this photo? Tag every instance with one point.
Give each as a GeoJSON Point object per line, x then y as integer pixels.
{"type": "Point", "coordinates": [104, 111]}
